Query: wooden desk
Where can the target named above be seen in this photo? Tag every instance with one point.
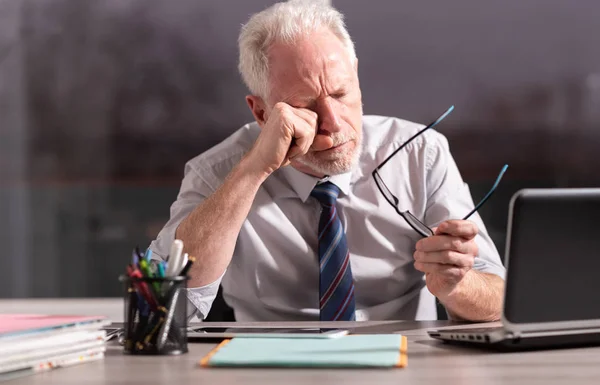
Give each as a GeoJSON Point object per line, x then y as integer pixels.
{"type": "Point", "coordinates": [429, 362]}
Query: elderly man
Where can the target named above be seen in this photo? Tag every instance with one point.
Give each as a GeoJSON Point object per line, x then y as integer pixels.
{"type": "Point", "coordinates": [285, 214]}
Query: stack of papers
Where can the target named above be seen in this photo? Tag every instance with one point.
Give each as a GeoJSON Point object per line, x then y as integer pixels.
{"type": "Point", "coordinates": [33, 343]}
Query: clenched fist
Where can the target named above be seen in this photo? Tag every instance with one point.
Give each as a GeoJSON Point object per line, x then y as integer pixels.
{"type": "Point", "coordinates": [288, 133]}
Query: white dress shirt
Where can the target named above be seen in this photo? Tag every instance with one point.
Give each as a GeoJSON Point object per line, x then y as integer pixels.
{"type": "Point", "coordinates": [274, 272]}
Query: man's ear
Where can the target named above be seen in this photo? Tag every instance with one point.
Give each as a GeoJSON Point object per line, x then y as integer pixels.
{"type": "Point", "coordinates": [258, 108]}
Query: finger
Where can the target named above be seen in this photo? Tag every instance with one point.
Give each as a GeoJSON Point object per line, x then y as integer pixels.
{"type": "Point", "coordinates": [319, 142]}
{"type": "Point", "coordinates": [446, 257]}
{"type": "Point", "coordinates": [444, 242]}
{"type": "Point", "coordinates": [458, 228]}
{"type": "Point", "coordinates": [303, 136]}
{"type": "Point", "coordinates": [304, 123]}
{"type": "Point", "coordinates": [449, 271]}
{"type": "Point", "coordinates": [308, 116]}
{"type": "Point", "coordinates": [291, 116]}
{"type": "Point", "coordinates": [293, 152]}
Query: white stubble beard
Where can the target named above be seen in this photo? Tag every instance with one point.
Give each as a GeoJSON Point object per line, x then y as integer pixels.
{"type": "Point", "coordinates": [341, 164]}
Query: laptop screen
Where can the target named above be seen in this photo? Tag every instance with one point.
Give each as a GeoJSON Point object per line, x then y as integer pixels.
{"type": "Point", "coordinates": [554, 257]}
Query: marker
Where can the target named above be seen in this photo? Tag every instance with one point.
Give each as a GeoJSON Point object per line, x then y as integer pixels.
{"type": "Point", "coordinates": [161, 269]}
{"type": "Point", "coordinates": [145, 268]}
{"type": "Point", "coordinates": [143, 288]}
{"type": "Point", "coordinates": [175, 259]}
{"type": "Point", "coordinates": [185, 260]}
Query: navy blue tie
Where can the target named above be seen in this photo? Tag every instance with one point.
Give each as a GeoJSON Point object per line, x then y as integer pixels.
{"type": "Point", "coordinates": [336, 286]}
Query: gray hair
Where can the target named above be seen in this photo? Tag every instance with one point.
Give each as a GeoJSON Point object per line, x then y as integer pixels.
{"type": "Point", "coordinates": [283, 22]}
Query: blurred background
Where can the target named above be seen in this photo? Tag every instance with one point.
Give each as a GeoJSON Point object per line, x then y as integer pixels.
{"type": "Point", "coordinates": [102, 103]}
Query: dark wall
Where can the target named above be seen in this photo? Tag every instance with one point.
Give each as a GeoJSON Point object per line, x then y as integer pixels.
{"type": "Point", "coordinates": [102, 102]}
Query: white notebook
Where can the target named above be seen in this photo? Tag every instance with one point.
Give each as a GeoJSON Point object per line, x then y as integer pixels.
{"type": "Point", "coordinates": [33, 342]}
{"type": "Point", "coordinates": [59, 361]}
{"type": "Point", "coordinates": [22, 354]}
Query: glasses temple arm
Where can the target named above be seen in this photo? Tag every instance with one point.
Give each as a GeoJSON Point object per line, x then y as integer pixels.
{"type": "Point", "coordinates": [489, 194]}
{"type": "Point", "coordinates": [430, 125]}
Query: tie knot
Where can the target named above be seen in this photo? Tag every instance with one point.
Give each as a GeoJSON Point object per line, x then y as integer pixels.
{"type": "Point", "coordinates": [326, 193]}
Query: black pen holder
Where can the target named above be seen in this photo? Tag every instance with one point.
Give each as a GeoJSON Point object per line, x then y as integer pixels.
{"type": "Point", "coordinates": [155, 315]}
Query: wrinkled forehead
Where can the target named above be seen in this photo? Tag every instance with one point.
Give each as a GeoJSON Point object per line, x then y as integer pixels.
{"type": "Point", "coordinates": [312, 60]}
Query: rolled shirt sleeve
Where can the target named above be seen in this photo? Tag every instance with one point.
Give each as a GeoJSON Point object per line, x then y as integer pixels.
{"type": "Point", "coordinates": [450, 198]}
{"type": "Point", "coordinates": [194, 189]}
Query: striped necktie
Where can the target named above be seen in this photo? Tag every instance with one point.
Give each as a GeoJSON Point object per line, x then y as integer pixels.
{"type": "Point", "coordinates": [336, 286]}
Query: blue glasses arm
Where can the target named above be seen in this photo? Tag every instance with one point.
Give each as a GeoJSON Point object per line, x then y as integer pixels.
{"type": "Point", "coordinates": [489, 194]}
{"type": "Point", "coordinates": [448, 111]}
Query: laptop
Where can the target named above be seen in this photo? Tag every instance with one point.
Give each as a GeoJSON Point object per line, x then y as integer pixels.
{"type": "Point", "coordinates": [552, 292]}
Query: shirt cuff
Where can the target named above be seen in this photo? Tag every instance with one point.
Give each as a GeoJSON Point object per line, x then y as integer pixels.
{"type": "Point", "coordinates": [486, 267]}
{"type": "Point", "coordinates": [200, 299]}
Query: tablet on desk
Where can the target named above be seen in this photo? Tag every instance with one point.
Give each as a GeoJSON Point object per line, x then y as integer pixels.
{"type": "Point", "coordinates": [264, 332]}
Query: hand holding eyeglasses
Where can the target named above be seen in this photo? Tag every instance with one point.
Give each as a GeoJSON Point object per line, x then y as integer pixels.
{"type": "Point", "coordinates": [447, 256]}
{"type": "Point", "coordinates": [413, 221]}
{"type": "Point", "coordinates": [446, 253]}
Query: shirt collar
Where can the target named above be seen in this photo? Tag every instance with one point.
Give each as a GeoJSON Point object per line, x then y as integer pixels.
{"type": "Point", "coordinates": [302, 184]}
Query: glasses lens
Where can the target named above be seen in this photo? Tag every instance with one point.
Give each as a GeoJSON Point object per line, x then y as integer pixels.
{"type": "Point", "coordinates": [387, 194]}
{"type": "Point", "coordinates": [416, 224]}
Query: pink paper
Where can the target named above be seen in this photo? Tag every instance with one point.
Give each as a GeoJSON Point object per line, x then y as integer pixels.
{"type": "Point", "coordinates": [11, 323]}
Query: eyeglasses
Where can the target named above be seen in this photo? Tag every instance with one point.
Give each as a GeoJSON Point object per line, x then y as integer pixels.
{"type": "Point", "coordinates": [413, 221]}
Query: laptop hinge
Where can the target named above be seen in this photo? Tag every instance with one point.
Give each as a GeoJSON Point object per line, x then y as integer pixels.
{"type": "Point", "coordinates": [515, 335]}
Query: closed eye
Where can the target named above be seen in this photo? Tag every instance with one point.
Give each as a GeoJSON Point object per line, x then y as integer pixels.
{"type": "Point", "coordinates": [338, 95]}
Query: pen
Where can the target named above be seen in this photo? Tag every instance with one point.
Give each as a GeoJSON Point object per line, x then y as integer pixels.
{"type": "Point", "coordinates": [152, 334]}
{"type": "Point", "coordinates": [139, 253]}
{"type": "Point", "coordinates": [187, 266]}
{"type": "Point", "coordinates": [131, 315]}
{"type": "Point", "coordinates": [166, 326]}
{"type": "Point", "coordinates": [145, 267]}
{"type": "Point", "coordinates": [135, 257]}
{"type": "Point", "coordinates": [143, 288]}
{"type": "Point", "coordinates": [150, 325]}
{"type": "Point", "coordinates": [161, 269]}
{"type": "Point", "coordinates": [184, 259]}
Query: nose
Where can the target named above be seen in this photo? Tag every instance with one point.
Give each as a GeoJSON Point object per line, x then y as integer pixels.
{"type": "Point", "coordinates": [328, 118]}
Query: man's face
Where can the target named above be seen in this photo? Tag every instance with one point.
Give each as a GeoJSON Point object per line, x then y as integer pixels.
{"type": "Point", "coordinates": [317, 73]}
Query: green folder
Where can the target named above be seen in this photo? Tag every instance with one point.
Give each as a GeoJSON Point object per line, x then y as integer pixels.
{"type": "Point", "coordinates": [366, 350]}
